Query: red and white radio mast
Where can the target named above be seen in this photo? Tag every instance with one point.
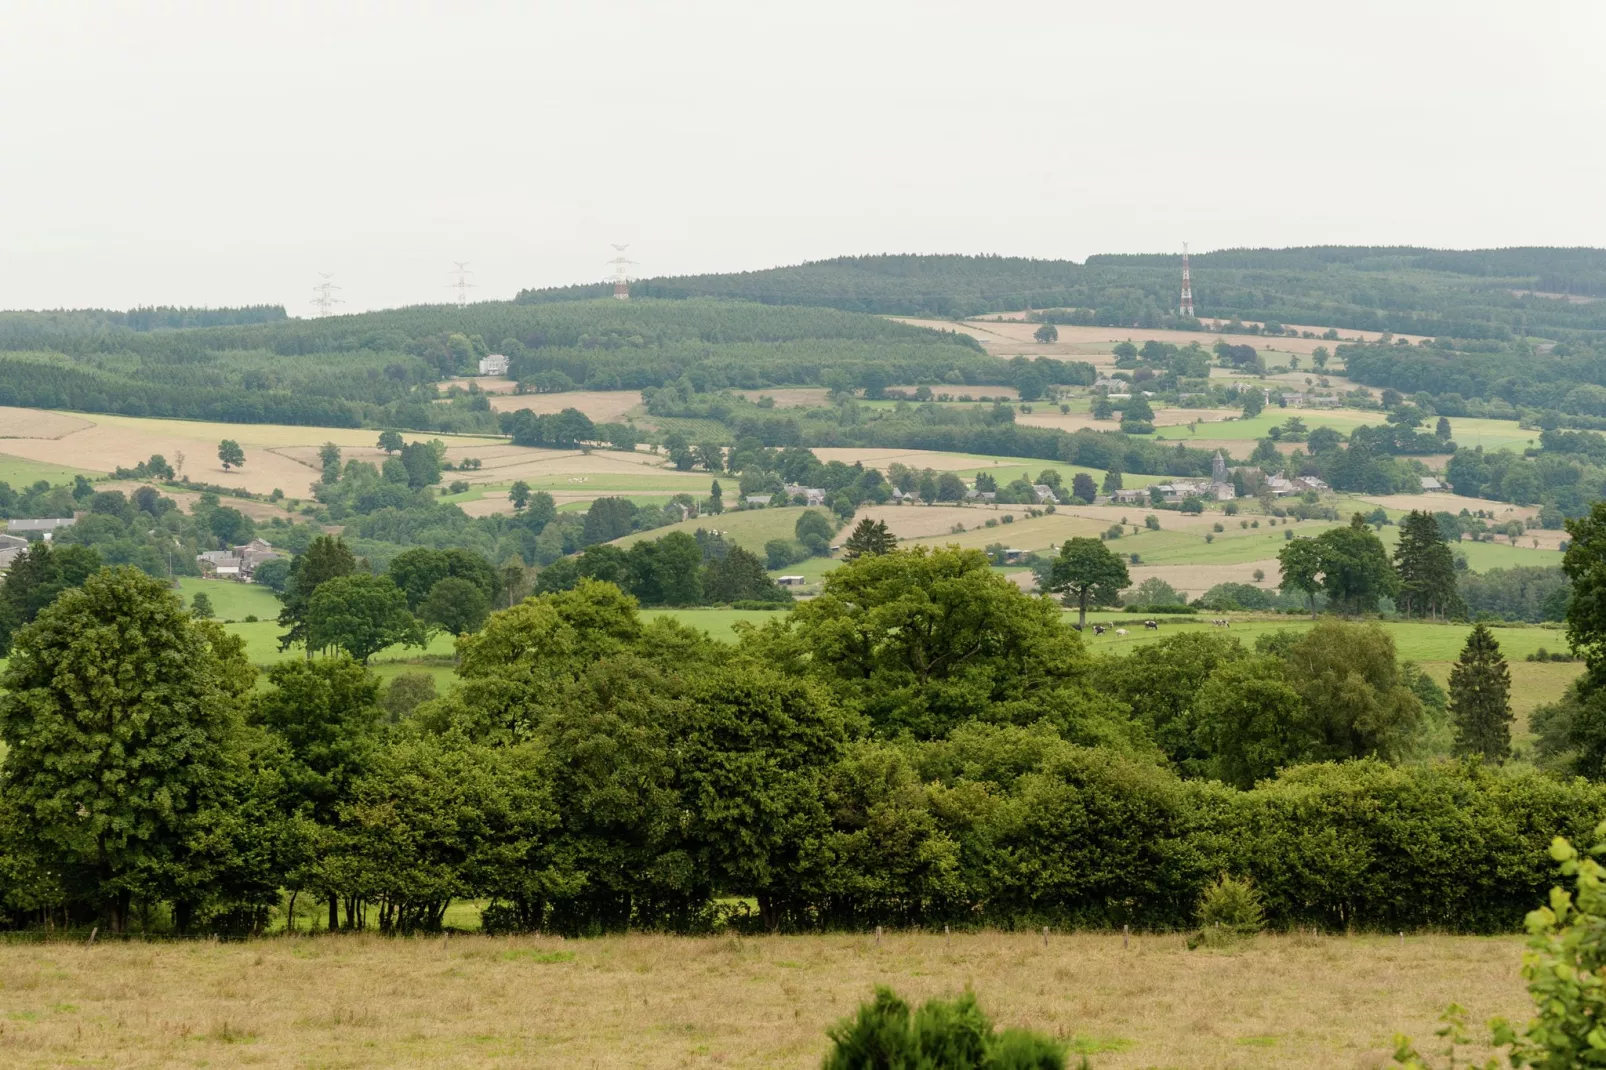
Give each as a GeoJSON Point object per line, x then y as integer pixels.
{"type": "Point", "coordinates": [1187, 285]}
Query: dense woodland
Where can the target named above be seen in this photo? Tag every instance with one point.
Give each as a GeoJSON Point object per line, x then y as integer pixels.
{"type": "Point", "coordinates": [1474, 294]}
{"type": "Point", "coordinates": [381, 369]}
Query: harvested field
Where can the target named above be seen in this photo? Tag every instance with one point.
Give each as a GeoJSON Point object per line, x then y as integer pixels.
{"type": "Point", "coordinates": [981, 330]}
{"type": "Point", "coordinates": [185, 499]}
{"type": "Point", "coordinates": [925, 521]}
{"type": "Point", "coordinates": [277, 455]}
{"type": "Point", "coordinates": [38, 423]}
{"type": "Point", "coordinates": [790, 397]}
{"type": "Point", "coordinates": [1451, 503]}
{"type": "Point", "coordinates": [919, 459]}
{"type": "Point", "coordinates": [489, 384]}
{"type": "Point", "coordinates": [1197, 579]}
{"type": "Point", "coordinates": [645, 1001]}
{"type": "Point", "coordinates": [1076, 421]}
{"type": "Point", "coordinates": [603, 406]}
{"type": "Point", "coordinates": [1029, 533]}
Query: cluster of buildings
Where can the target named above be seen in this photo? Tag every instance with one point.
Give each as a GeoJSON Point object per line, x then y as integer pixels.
{"type": "Point", "coordinates": [1219, 487]}
{"type": "Point", "coordinates": [17, 536]}
{"type": "Point", "coordinates": [239, 563]}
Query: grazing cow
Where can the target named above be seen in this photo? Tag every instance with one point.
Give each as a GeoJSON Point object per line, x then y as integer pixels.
{"type": "Point", "coordinates": [1152, 625]}
{"type": "Point", "coordinates": [1120, 631]}
{"type": "Point", "coordinates": [1098, 629]}
{"type": "Point", "coordinates": [1078, 627]}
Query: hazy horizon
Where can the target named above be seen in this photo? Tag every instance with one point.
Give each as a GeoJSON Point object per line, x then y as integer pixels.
{"type": "Point", "coordinates": [203, 154]}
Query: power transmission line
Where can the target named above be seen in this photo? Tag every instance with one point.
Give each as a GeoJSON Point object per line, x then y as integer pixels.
{"type": "Point", "coordinates": [462, 285]}
{"type": "Point", "coordinates": [323, 294]}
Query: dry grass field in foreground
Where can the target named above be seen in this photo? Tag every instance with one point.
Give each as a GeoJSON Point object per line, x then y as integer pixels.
{"type": "Point", "coordinates": [650, 1001]}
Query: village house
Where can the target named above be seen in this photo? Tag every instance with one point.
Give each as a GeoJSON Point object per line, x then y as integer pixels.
{"type": "Point", "coordinates": [810, 495]}
{"type": "Point", "coordinates": [495, 364]}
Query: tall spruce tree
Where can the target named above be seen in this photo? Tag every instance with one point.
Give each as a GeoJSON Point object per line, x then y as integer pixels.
{"type": "Point", "coordinates": [1426, 570]}
{"type": "Point", "coordinates": [1480, 698]}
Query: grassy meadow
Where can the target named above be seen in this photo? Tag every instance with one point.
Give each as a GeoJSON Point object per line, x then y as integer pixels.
{"type": "Point", "coordinates": [22, 472]}
{"type": "Point", "coordinates": [646, 1001]}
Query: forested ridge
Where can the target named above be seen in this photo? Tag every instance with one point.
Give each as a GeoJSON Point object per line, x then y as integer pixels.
{"type": "Point", "coordinates": [380, 368]}
{"type": "Point", "coordinates": [1463, 294]}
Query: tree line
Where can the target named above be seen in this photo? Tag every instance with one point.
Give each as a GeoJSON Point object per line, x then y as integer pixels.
{"type": "Point", "coordinates": [921, 744]}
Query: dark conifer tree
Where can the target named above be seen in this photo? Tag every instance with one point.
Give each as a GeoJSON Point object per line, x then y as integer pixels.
{"type": "Point", "coordinates": [1480, 698]}
{"type": "Point", "coordinates": [870, 537]}
{"type": "Point", "coordinates": [1426, 569]}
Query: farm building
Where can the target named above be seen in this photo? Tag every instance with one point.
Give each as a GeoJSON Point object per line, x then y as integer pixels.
{"type": "Point", "coordinates": [239, 563]}
{"type": "Point", "coordinates": [810, 495]}
{"type": "Point", "coordinates": [39, 528]}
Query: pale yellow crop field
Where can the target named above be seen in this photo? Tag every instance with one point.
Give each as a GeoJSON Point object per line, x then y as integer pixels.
{"type": "Point", "coordinates": [603, 406]}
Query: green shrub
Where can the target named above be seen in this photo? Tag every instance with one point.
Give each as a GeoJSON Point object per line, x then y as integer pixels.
{"type": "Point", "coordinates": [941, 1035]}
{"type": "Point", "coordinates": [1232, 905]}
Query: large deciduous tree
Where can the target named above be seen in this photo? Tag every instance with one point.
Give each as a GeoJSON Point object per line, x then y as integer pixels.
{"type": "Point", "coordinates": [1300, 562]}
{"type": "Point", "coordinates": [361, 615]}
{"type": "Point", "coordinates": [230, 454]}
{"type": "Point", "coordinates": [456, 605]}
{"type": "Point", "coordinates": [1356, 571]}
{"type": "Point", "coordinates": [922, 640]}
{"type": "Point", "coordinates": [121, 715]}
{"type": "Point", "coordinates": [1087, 571]}
{"type": "Point", "coordinates": [327, 715]}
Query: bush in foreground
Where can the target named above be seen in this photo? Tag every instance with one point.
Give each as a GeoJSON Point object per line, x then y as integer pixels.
{"type": "Point", "coordinates": [941, 1035]}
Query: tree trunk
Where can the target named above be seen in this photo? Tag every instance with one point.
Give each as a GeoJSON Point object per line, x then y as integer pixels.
{"type": "Point", "coordinates": [1081, 620]}
{"type": "Point", "coordinates": [183, 915]}
{"type": "Point", "coordinates": [334, 913]}
{"type": "Point", "coordinates": [766, 912]}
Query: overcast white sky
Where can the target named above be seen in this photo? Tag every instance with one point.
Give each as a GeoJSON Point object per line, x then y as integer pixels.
{"type": "Point", "coordinates": [224, 152]}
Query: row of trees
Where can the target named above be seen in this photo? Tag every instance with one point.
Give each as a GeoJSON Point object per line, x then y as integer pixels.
{"type": "Point", "coordinates": [922, 744]}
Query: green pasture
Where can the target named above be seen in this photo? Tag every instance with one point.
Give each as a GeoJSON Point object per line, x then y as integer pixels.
{"type": "Point", "coordinates": [1230, 547]}
{"type": "Point", "coordinates": [262, 645]}
{"type": "Point", "coordinates": [748, 528]}
{"type": "Point", "coordinates": [1483, 556]}
{"type": "Point", "coordinates": [21, 472]}
{"type": "Point", "coordinates": [230, 600]}
{"type": "Point", "coordinates": [1260, 426]}
{"type": "Point", "coordinates": [1466, 431]}
{"type": "Point", "coordinates": [1421, 641]}
{"type": "Point", "coordinates": [1491, 434]}
{"type": "Point", "coordinates": [716, 622]}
